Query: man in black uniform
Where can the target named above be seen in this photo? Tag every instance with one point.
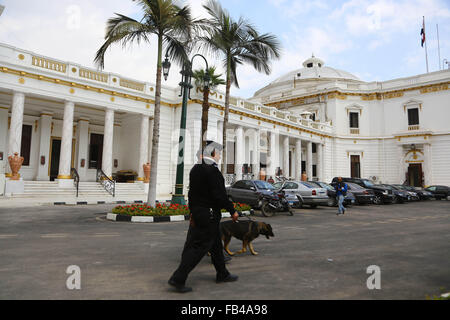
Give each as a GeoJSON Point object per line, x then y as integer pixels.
{"type": "Point", "coordinates": [207, 196]}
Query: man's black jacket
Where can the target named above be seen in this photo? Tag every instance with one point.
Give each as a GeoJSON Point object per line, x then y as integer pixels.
{"type": "Point", "coordinates": [207, 188]}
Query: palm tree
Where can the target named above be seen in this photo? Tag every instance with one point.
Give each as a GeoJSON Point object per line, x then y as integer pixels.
{"type": "Point", "coordinates": [215, 80]}
{"type": "Point", "coordinates": [236, 43]}
{"type": "Point", "coordinates": [172, 26]}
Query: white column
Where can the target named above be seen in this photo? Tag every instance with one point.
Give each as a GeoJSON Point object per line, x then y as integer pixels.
{"type": "Point", "coordinates": [240, 152]}
{"type": "Point", "coordinates": [143, 146]}
{"type": "Point", "coordinates": [220, 139]}
{"type": "Point", "coordinates": [309, 160]}
{"type": "Point", "coordinates": [274, 154]}
{"type": "Point", "coordinates": [83, 148]}
{"type": "Point", "coordinates": [256, 154]}
{"type": "Point", "coordinates": [65, 159]}
{"type": "Point", "coordinates": [286, 172]}
{"type": "Point", "coordinates": [15, 130]}
{"type": "Point", "coordinates": [44, 146]}
{"type": "Point", "coordinates": [320, 161]}
{"type": "Point", "coordinates": [428, 170]}
{"type": "Point", "coordinates": [108, 137]}
{"type": "Point", "coordinates": [298, 160]}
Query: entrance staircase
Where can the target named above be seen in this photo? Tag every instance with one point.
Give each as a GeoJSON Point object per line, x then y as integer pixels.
{"type": "Point", "coordinates": [45, 192]}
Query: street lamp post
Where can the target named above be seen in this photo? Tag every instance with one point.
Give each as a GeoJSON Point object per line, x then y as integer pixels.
{"type": "Point", "coordinates": [186, 86]}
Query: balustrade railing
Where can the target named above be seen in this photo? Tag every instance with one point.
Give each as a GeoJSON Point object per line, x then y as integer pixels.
{"type": "Point", "coordinates": [106, 182]}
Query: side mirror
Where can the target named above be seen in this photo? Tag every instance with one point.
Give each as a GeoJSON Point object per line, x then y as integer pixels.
{"type": "Point", "coordinates": [253, 188]}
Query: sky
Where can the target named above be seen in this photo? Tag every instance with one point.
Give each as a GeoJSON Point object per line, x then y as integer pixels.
{"type": "Point", "coordinates": [375, 40]}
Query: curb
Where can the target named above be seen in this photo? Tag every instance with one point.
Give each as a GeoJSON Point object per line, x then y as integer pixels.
{"type": "Point", "coordinates": [142, 219]}
{"type": "Point", "coordinates": [101, 202]}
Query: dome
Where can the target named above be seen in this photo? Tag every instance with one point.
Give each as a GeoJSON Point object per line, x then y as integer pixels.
{"type": "Point", "coordinates": [314, 68]}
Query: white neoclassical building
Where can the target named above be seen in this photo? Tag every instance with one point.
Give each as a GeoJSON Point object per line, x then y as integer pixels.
{"type": "Point", "coordinates": [68, 120]}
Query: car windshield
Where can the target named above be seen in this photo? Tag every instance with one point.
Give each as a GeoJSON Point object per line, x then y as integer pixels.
{"type": "Point", "coordinates": [264, 185]}
{"type": "Point", "coordinates": [368, 183]}
{"type": "Point", "coordinates": [354, 186]}
{"type": "Point", "coordinates": [387, 186]}
{"type": "Point", "coordinates": [325, 185]}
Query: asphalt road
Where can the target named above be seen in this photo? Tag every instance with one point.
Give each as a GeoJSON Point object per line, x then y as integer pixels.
{"type": "Point", "coordinates": [314, 255]}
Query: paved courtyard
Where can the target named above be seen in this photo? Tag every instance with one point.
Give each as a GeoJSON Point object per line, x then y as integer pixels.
{"type": "Point", "coordinates": [314, 255]}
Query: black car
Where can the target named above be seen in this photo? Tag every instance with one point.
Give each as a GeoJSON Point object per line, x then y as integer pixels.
{"type": "Point", "coordinates": [439, 192]}
{"type": "Point", "coordinates": [401, 196]}
{"type": "Point", "coordinates": [250, 191]}
{"type": "Point", "coordinates": [349, 199]}
{"type": "Point", "coordinates": [413, 196]}
{"type": "Point", "coordinates": [362, 195]}
{"type": "Point", "coordinates": [423, 194]}
{"type": "Point", "coordinates": [381, 195]}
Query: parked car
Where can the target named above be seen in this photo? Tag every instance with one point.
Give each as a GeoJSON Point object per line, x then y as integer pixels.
{"type": "Point", "coordinates": [301, 193]}
{"type": "Point", "coordinates": [439, 192]}
{"type": "Point", "coordinates": [423, 194]}
{"type": "Point", "coordinates": [381, 195]}
{"type": "Point", "coordinates": [250, 192]}
{"type": "Point", "coordinates": [349, 199]}
{"type": "Point", "coordinates": [413, 196]}
{"type": "Point", "coordinates": [362, 195]}
{"type": "Point", "coordinates": [401, 196]}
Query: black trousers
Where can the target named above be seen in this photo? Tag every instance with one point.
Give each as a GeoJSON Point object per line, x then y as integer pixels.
{"type": "Point", "coordinates": [203, 237]}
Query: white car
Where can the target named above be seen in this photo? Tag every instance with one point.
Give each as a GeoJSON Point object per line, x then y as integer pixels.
{"type": "Point", "coordinates": [299, 193]}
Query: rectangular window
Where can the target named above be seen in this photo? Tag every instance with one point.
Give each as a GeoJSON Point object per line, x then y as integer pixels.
{"type": "Point", "coordinates": [314, 148]}
{"type": "Point", "coordinates": [354, 120]}
{"type": "Point", "coordinates": [25, 147]}
{"type": "Point", "coordinates": [413, 116]}
{"type": "Point", "coordinates": [314, 167]}
{"type": "Point", "coordinates": [96, 151]}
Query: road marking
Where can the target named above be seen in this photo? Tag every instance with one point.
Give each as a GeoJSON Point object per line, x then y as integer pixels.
{"type": "Point", "coordinates": [54, 235]}
{"type": "Point", "coordinates": [156, 233]}
{"type": "Point", "coordinates": [97, 235]}
{"type": "Point", "coordinates": [7, 236]}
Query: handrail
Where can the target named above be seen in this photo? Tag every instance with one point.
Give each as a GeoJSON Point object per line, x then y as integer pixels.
{"type": "Point", "coordinates": [107, 183]}
{"type": "Point", "coordinates": [76, 178]}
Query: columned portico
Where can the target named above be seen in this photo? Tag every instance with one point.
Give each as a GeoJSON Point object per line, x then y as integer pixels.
{"type": "Point", "coordinates": [64, 178]}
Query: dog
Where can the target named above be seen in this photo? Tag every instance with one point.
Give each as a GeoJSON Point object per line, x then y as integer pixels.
{"type": "Point", "coordinates": [246, 231]}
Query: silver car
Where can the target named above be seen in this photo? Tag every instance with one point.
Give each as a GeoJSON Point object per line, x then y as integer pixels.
{"type": "Point", "coordinates": [299, 193]}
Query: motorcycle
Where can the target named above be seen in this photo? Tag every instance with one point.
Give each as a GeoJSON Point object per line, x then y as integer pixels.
{"type": "Point", "coordinates": [276, 202]}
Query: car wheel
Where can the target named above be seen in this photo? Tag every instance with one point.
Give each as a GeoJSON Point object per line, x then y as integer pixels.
{"type": "Point", "coordinates": [266, 210]}
{"type": "Point", "coordinates": [377, 200]}
{"type": "Point", "coordinates": [300, 203]}
{"type": "Point", "coordinates": [395, 200]}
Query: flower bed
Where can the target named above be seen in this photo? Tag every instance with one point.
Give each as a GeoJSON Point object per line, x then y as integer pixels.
{"type": "Point", "coordinates": [162, 210]}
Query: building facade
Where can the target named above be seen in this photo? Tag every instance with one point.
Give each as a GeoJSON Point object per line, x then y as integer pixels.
{"type": "Point", "coordinates": [322, 121]}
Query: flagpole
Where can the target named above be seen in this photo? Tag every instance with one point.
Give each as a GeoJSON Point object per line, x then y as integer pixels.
{"type": "Point", "coordinates": [426, 50]}
{"type": "Point", "coordinates": [439, 48]}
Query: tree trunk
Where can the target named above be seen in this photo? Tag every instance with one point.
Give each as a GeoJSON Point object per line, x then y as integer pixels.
{"type": "Point", "coordinates": [151, 200]}
{"type": "Point", "coordinates": [225, 118]}
{"type": "Point", "coordinates": [205, 110]}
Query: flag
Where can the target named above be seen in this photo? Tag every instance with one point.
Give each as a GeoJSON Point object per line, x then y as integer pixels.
{"type": "Point", "coordinates": [422, 32]}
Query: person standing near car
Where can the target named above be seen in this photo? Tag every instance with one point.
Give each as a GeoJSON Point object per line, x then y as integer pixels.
{"type": "Point", "coordinates": [207, 196]}
{"type": "Point", "coordinates": [341, 191]}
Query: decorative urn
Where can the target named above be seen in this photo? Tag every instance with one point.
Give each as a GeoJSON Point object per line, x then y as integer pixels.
{"type": "Point", "coordinates": [147, 167]}
{"type": "Point", "coordinates": [15, 163]}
